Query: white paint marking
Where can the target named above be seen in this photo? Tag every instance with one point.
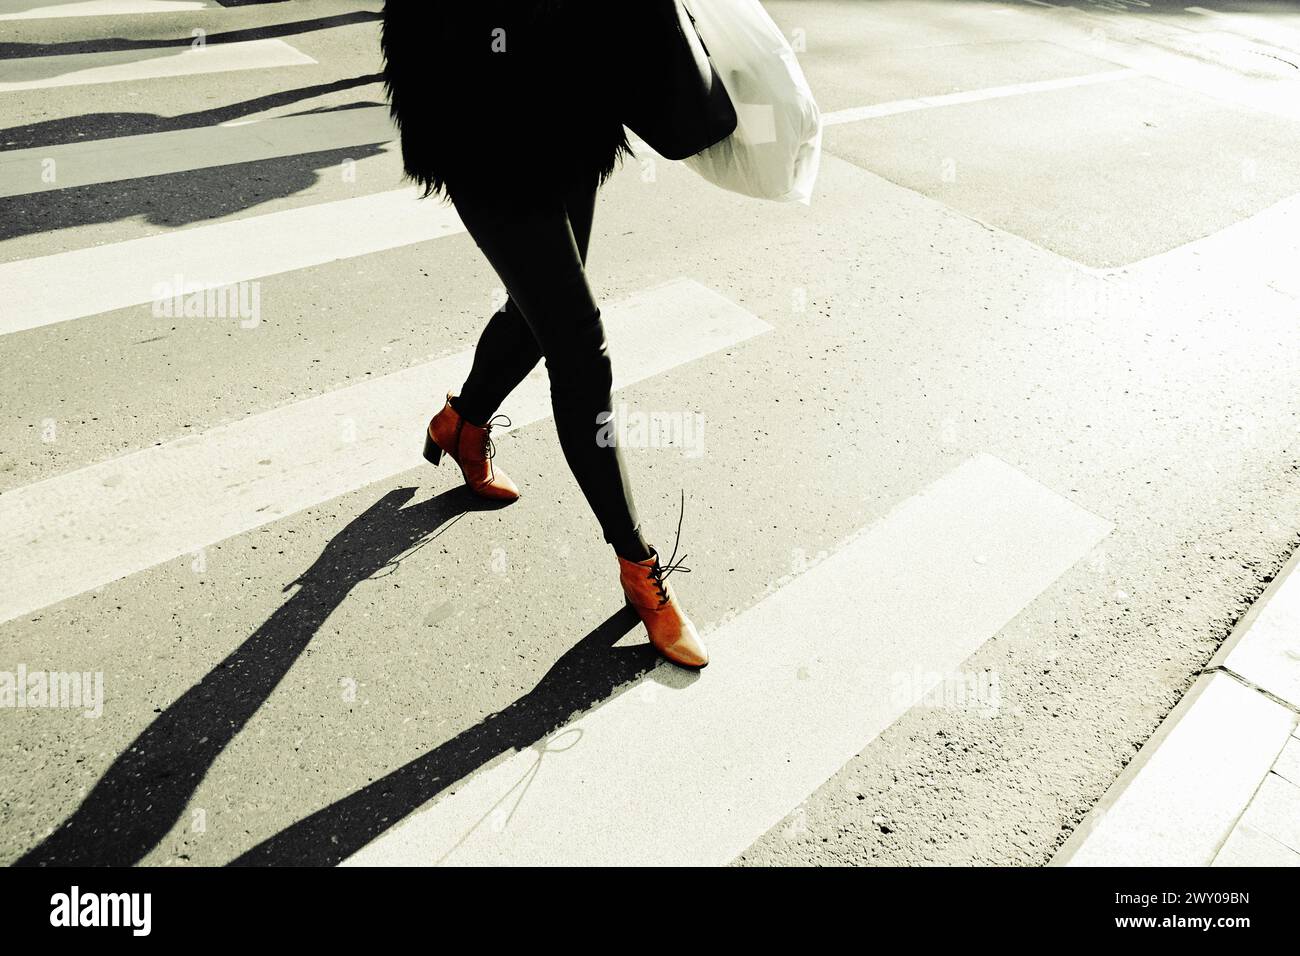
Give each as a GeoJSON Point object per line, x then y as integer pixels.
{"type": "Point", "coordinates": [23, 9]}
{"type": "Point", "coordinates": [74, 532]}
{"type": "Point", "coordinates": [68, 165]}
{"type": "Point", "coordinates": [70, 285]}
{"type": "Point", "coordinates": [678, 771]}
{"type": "Point", "coordinates": [78, 69]}
{"type": "Point", "coordinates": [856, 113]}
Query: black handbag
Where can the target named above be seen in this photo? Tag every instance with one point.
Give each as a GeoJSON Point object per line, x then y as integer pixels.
{"type": "Point", "coordinates": [675, 100]}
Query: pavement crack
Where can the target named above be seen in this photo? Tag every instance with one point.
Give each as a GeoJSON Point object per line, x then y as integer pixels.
{"type": "Point", "coordinates": [1246, 682]}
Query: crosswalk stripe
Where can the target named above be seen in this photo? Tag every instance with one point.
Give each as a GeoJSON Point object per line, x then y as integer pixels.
{"type": "Point", "coordinates": [41, 291]}
{"type": "Point", "coordinates": [116, 66]}
{"type": "Point", "coordinates": [877, 110]}
{"type": "Point", "coordinates": [44, 168]}
{"type": "Point", "coordinates": [23, 10]}
{"type": "Point", "coordinates": [68, 534]}
{"type": "Point", "coordinates": [679, 770]}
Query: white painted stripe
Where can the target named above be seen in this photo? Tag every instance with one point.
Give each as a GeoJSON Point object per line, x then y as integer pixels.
{"type": "Point", "coordinates": [1176, 803]}
{"type": "Point", "coordinates": [74, 532]}
{"type": "Point", "coordinates": [77, 69]}
{"type": "Point", "coordinates": [854, 114]}
{"type": "Point", "coordinates": [68, 165]}
{"type": "Point", "coordinates": [70, 285]}
{"type": "Point", "coordinates": [680, 770]}
{"type": "Point", "coordinates": [26, 10]}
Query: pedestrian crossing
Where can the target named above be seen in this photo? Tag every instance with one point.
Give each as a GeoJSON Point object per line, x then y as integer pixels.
{"type": "Point", "coordinates": [771, 719]}
{"type": "Point", "coordinates": [74, 532]}
{"type": "Point", "coordinates": [213, 256]}
{"type": "Point", "coordinates": [679, 771]}
{"type": "Point", "coordinates": [69, 165]}
{"type": "Point", "coordinates": [156, 63]}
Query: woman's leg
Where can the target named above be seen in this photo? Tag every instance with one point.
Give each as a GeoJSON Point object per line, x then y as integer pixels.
{"type": "Point", "coordinates": [507, 349]}
{"type": "Point", "coordinates": [539, 255]}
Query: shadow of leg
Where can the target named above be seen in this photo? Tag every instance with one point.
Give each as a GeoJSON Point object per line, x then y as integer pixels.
{"type": "Point", "coordinates": [586, 675]}
{"type": "Point", "coordinates": [146, 789]}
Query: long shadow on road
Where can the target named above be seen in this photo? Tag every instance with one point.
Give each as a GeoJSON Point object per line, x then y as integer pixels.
{"type": "Point", "coordinates": [175, 199]}
{"type": "Point", "coordinates": [146, 789]}
{"type": "Point", "coordinates": [586, 675]}
{"type": "Point", "coordinates": [87, 127]}
{"type": "Point", "coordinates": [10, 51]}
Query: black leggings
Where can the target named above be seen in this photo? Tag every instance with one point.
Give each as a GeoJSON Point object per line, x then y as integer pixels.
{"type": "Point", "coordinates": [539, 251]}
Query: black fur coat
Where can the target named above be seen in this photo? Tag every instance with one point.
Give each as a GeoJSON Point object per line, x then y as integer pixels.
{"type": "Point", "coordinates": [506, 93]}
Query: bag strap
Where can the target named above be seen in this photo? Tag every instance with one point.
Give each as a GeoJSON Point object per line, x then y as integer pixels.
{"type": "Point", "coordinates": [690, 16]}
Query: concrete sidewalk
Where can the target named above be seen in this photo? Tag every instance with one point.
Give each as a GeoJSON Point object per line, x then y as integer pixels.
{"type": "Point", "coordinates": [1218, 784]}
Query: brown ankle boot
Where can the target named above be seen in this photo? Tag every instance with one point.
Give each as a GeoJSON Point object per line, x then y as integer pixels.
{"type": "Point", "coordinates": [469, 446]}
{"type": "Point", "coordinates": [670, 630]}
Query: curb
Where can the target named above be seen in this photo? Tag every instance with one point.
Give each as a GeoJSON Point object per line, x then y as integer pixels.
{"type": "Point", "coordinates": [1214, 784]}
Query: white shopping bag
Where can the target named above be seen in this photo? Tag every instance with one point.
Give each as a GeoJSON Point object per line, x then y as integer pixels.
{"type": "Point", "coordinates": [776, 148]}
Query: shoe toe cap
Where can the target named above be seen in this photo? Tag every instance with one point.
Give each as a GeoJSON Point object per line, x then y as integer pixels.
{"type": "Point", "coordinates": [688, 650]}
{"type": "Point", "coordinates": [498, 488]}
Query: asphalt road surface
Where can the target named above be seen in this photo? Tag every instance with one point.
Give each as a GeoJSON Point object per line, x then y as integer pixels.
{"type": "Point", "coordinates": [983, 452]}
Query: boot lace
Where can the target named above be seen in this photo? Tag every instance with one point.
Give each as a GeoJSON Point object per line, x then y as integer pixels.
{"type": "Point", "coordinates": [489, 449]}
{"type": "Point", "coordinates": [658, 572]}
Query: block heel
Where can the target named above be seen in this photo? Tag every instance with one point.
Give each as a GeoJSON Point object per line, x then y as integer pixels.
{"type": "Point", "coordinates": [432, 450]}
